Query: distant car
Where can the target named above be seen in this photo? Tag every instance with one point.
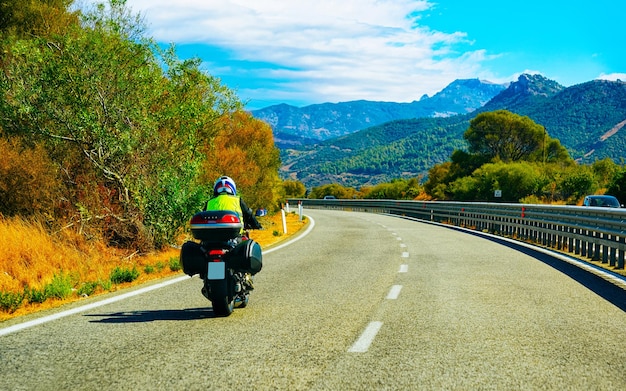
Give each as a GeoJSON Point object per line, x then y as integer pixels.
{"type": "Point", "coordinates": [605, 201]}
{"type": "Point", "coordinates": [261, 212]}
{"type": "Point", "coordinates": [329, 197]}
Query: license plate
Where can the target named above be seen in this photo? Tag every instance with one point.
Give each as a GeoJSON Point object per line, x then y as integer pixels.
{"type": "Point", "coordinates": [217, 271]}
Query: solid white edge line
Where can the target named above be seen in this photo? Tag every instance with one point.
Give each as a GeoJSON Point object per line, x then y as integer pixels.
{"type": "Point", "coordinates": [62, 314]}
{"type": "Point", "coordinates": [394, 292]}
{"type": "Point", "coordinates": [308, 230]}
{"type": "Point", "coordinates": [362, 344]}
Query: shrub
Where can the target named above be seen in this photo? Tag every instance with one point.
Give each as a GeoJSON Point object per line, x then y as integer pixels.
{"type": "Point", "coordinates": [59, 288]}
{"type": "Point", "coordinates": [29, 182]}
{"type": "Point", "coordinates": [11, 301]}
{"type": "Point", "coordinates": [175, 264]}
{"type": "Point", "coordinates": [121, 275]}
{"type": "Point", "coordinates": [87, 288]}
{"type": "Point", "coordinates": [148, 269]}
{"type": "Point", "coordinates": [35, 295]}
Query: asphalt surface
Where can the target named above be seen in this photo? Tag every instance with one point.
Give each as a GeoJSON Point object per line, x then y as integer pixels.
{"type": "Point", "coordinates": [363, 301]}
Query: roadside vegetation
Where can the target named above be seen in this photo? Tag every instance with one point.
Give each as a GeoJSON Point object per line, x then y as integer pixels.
{"type": "Point", "coordinates": [110, 143]}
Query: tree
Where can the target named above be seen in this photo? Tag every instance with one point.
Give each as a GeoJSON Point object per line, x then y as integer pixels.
{"type": "Point", "coordinates": [399, 189]}
{"type": "Point", "coordinates": [617, 187]}
{"type": "Point", "coordinates": [36, 17]}
{"type": "Point", "coordinates": [294, 189]}
{"type": "Point", "coordinates": [244, 150]}
{"type": "Point", "coordinates": [510, 137]}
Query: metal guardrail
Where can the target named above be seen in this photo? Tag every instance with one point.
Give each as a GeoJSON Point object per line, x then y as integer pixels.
{"type": "Point", "coordinates": [592, 232]}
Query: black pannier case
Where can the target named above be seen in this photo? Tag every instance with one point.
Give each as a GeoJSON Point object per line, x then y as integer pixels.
{"type": "Point", "coordinates": [192, 259]}
{"type": "Point", "coordinates": [246, 256]}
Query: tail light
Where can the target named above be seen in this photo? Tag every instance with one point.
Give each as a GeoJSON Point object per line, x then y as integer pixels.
{"type": "Point", "coordinates": [215, 255]}
{"type": "Point", "coordinates": [205, 218]}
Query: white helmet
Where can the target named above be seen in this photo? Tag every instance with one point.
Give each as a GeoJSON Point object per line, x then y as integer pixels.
{"type": "Point", "coordinates": [224, 185]}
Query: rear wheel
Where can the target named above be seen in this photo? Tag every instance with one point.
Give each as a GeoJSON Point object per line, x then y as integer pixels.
{"type": "Point", "coordinates": [223, 302]}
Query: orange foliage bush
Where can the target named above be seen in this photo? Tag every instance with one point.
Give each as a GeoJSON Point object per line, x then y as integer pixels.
{"type": "Point", "coordinates": [29, 183]}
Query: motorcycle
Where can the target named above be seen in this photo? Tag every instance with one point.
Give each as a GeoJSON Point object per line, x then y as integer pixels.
{"type": "Point", "coordinates": [225, 259]}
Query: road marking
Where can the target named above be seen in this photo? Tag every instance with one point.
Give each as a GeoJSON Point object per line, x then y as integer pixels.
{"type": "Point", "coordinates": [394, 292]}
{"type": "Point", "coordinates": [402, 245]}
{"type": "Point", "coordinates": [59, 315]}
{"type": "Point", "coordinates": [365, 340]}
{"type": "Point", "coordinates": [403, 268]}
{"type": "Point", "coordinates": [305, 233]}
{"type": "Point", "coordinates": [405, 254]}
{"type": "Point", "coordinates": [398, 238]}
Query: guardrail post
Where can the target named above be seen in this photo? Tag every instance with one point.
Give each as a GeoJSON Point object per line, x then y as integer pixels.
{"type": "Point", "coordinates": [596, 247]}
{"type": "Point", "coordinates": [583, 243]}
{"type": "Point", "coordinates": [622, 256]}
{"type": "Point", "coordinates": [613, 255]}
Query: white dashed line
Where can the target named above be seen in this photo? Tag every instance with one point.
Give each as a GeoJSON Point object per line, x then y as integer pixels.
{"type": "Point", "coordinates": [405, 254]}
{"type": "Point", "coordinates": [365, 340]}
{"type": "Point", "coordinates": [394, 292]}
{"type": "Point", "coordinates": [403, 269]}
{"type": "Point", "coordinates": [402, 245]}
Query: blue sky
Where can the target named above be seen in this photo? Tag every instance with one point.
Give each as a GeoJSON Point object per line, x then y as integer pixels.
{"type": "Point", "coordinates": [304, 52]}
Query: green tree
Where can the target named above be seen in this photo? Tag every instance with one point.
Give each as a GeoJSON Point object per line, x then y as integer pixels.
{"type": "Point", "coordinates": [577, 182]}
{"type": "Point", "coordinates": [510, 137]}
{"type": "Point", "coordinates": [36, 17]}
{"type": "Point", "coordinates": [398, 189]}
{"type": "Point", "coordinates": [617, 187]}
{"type": "Point", "coordinates": [294, 189]}
{"type": "Point", "coordinates": [333, 189]}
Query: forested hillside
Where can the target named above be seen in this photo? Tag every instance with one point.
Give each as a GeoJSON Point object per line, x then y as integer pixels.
{"type": "Point", "coordinates": [586, 118]}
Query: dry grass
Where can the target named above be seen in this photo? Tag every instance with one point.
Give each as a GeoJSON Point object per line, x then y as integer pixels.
{"type": "Point", "coordinates": [30, 257]}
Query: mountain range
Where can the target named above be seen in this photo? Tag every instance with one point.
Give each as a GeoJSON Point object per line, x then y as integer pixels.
{"type": "Point", "coordinates": [311, 124]}
{"type": "Point", "coordinates": [356, 144]}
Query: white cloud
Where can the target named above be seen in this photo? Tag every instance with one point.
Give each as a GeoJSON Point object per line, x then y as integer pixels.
{"type": "Point", "coordinates": [327, 50]}
{"type": "Point", "coordinates": [613, 76]}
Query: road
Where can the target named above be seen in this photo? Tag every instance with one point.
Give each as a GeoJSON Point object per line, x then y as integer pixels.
{"type": "Point", "coordinates": [363, 301]}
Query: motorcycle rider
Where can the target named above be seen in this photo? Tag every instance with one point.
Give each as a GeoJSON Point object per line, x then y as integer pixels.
{"type": "Point", "coordinates": [225, 198]}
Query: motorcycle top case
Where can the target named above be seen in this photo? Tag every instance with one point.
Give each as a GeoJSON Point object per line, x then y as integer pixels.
{"type": "Point", "coordinates": [246, 257]}
{"type": "Point", "coordinates": [216, 226]}
{"type": "Point", "coordinates": [193, 259]}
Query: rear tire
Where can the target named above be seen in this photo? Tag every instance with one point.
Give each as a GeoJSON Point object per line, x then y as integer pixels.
{"type": "Point", "coordinates": [223, 302]}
